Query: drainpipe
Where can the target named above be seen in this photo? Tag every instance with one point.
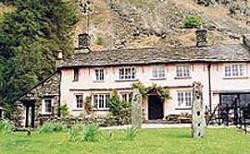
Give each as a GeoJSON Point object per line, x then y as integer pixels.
{"type": "Point", "coordinates": [59, 101]}
{"type": "Point", "coordinates": [209, 87]}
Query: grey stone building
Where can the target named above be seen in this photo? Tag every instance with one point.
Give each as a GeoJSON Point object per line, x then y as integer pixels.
{"type": "Point", "coordinates": [41, 101]}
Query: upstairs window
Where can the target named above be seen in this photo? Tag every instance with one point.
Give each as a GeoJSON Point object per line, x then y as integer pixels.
{"type": "Point", "coordinates": [99, 74]}
{"type": "Point", "coordinates": [127, 96]}
{"type": "Point", "coordinates": [76, 74]}
{"type": "Point", "coordinates": [47, 106]}
{"type": "Point", "coordinates": [184, 99]}
{"type": "Point", "coordinates": [158, 72]}
{"type": "Point", "coordinates": [235, 70]}
{"type": "Point", "coordinates": [101, 101]}
{"type": "Point", "coordinates": [79, 101]}
{"type": "Point", "coordinates": [127, 73]}
{"type": "Point", "coordinates": [183, 70]}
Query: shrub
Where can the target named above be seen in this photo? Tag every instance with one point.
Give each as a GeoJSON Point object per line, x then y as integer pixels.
{"type": "Point", "coordinates": [91, 133]}
{"type": "Point", "coordinates": [76, 133]}
{"type": "Point", "coordinates": [192, 22]}
{"type": "Point", "coordinates": [117, 105]}
{"type": "Point", "coordinates": [131, 133]}
{"type": "Point", "coordinates": [99, 40]}
{"type": "Point", "coordinates": [5, 126]}
{"type": "Point", "coordinates": [64, 110]}
{"type": "Point", "coordinates": [53, 127]}
{"type": "Point", "coordinates": [87, 133]}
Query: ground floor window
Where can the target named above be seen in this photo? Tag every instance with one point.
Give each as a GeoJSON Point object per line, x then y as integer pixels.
{"type": "Point", "coordinates": [230, 99]}
{"type": "Point", "coordinates": [184, 99]}
{"type": "Point", "coordinates": [101, 101]}
{"type": "Point", "coordinates": [79, 101]}
{"type": "Point", "coordinates": [127, 96]}
{"type": "Point", "coordinates": [47, 106]}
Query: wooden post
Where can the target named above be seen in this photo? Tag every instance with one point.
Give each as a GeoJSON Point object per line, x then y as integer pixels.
{"type": "Point", "coordinates": [198, 116]}
{"type": "Point", "coordinates": [136, 115]}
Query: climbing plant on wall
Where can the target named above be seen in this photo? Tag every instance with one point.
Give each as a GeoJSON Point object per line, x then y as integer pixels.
{"type": "Point", "coordinates": [161, 91]}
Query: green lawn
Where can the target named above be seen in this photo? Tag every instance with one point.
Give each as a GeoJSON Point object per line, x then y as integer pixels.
{"type": "Point", "coordinates": [148, 141]}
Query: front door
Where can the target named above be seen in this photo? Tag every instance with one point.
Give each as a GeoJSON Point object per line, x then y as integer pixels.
{"type": "Point", "coordinates": [29, 114]}
{"type": "Point", "coordinates": [155, 107]}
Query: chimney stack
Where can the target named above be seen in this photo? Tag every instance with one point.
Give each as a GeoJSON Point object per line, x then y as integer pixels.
{"type": "Point", "coordinates": [201, 37]}
{"type": "Point", "coordinates": [246, 40]}
{"type": "Point", "coordinates": [83, 43]}
{"type": "Point", "coordinates": [59, 59]}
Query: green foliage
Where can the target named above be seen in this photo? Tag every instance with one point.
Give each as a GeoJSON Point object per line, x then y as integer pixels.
{"type": "Point", "coordinates": [143, 2]}
{"type": "Point", "coordinates": [53, 127]}
{"type": "Point", "coordinates": [192, 21]}
{"type": "Point", "coordinates": [131, 133]}
{"type": "Point", "coordinates": [5, 127]}
{"type": "Point", "coordinates": [117, 105]}
{"type": "Point", "coordinates": [88, 133]}
{"type": "Point", "coordinates": [162, 92]}
{"type": "Point", "coordinates": [88, 105]}
{"type": "Point", "coordinates": [31, 36]}
{"type": "Point", "coordinates": [64, 110]}
{"type": "Point", "coordinates": [76, 133]}
{"type": "Point", "coordinates": [99, 40]}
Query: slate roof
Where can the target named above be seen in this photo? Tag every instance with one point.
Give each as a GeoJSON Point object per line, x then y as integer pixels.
{"type": "Point", "coordinates": [214, 53]}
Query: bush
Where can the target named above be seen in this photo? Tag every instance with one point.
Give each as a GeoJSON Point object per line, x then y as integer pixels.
{"type": "Point", "coordinates": [82, 133]}
{"type": "Point", "coordinates": [53, 127]}
{"type": "Point", "coordinates": [131, 133]}
{"type": "Point", "coordinates": [76, 133]}
{"type": "Point", "coordinates": [5, 126]}
{"type": "Point", "coordinates": [117, 105]}
{"type": "Point", "coordinates": [192, 22]}
{"type": "Point", "coordinates": [64, 110]}
{"type": "Point", "coordinates": [99, 40]}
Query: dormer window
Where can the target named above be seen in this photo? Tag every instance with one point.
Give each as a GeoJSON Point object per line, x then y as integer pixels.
{"type": "Point", "coordinates": [127, 73]}
{"type": "Point", "coordinates": [76, 74]}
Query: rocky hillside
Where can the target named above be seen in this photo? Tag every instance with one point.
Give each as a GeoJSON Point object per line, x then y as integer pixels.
{"type": "Point", "coordinates": [143, 23]}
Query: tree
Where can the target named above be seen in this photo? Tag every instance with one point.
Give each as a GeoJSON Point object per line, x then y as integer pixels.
{"type": "Point", "coordinates": [30, 38]}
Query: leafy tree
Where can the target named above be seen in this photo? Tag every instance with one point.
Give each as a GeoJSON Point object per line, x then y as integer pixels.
{"type": "Point", "coordinates": [30, 38]}
{"type": "Point", "coordinates": [192, 21]}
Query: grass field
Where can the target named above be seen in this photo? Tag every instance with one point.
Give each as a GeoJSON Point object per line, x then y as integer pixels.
{"type": "Point", "coordinates": [147, 141]}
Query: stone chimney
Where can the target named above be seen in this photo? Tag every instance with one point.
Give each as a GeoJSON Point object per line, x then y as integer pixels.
{"type": "Point", "coordinates": [59, 59]}
{"type": "Point", "coordinates": [246, 40]}
{"type": "Point", "coordinates": [201, 37]}
{"type": "Point", "coordinates": [83, 43]}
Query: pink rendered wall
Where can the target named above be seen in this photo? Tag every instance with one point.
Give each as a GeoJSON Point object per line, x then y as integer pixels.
{"type": "Point", "coordinates": [199, 72]}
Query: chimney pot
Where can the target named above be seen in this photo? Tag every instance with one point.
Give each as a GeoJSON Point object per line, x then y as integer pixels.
{"type": "Point", "coordinates": [201, 37]}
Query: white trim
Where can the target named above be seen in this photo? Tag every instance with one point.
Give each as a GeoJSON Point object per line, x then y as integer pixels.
{"type": "Point", "coordinates": [126, 67]}
{"type": "Point", "coordinates": [231, 74]}
{"type": "Point", "coordinates": [184, 101]}
{"type": "Point", "coordinates": [184, 66]}
{"type": "Point", "coordinates": [157, 68]}
{"type": "Point", "coordinates": [98, 97]}
{"type": "Point", "coordinates": [43, 105]}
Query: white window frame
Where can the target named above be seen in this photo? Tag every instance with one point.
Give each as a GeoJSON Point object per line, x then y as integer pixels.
{"type": "Point", "coordinates": [76, 101]}
{"type": "Point", "coordinates": [158, 72]}
{"type": "Point", "coordinates": [130, 75]}
{"type": "Point", "coordinates": [128, 96]}
{"type": "Point", "coordinates": [184, 99]}
{"type": "Point", "coordinates": [99, 74]}
{"type": "Point", "coordinates": [105, 101]}
{"type": "Point", "coordinates": [43, 105]}
{"type": "Point", "coordinates": [235, 70]}
{"type": "Point", "coordinates": [183, 70]}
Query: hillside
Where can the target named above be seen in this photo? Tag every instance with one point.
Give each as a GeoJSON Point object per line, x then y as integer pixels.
{"type": "Point", "coordinates": [144, 23]}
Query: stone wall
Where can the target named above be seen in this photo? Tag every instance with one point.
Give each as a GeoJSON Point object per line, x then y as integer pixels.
{"type": "Point", "coordinates": [100, 121]}
{"type": "Point", "coordinates": [47, 88]}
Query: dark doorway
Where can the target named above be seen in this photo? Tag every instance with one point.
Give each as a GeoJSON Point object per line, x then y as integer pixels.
{"type": "Point", "coordinates": [29, 113]}
{"type": "Point", "coordinates": [155, 107]}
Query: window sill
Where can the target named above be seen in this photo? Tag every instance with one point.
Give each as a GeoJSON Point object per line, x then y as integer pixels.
{"type": "Point", "coordinates": [75, 80]}
{"type": "Point", "coordinates": [95, 109]}
{"type": "Point", "coordinates": [46, 114]}
{"type": "Point", "coordinates": [182, 78]}
{"type": "Point", "coordinates": [183, 108]}
{"type": "Point", "coordinates": [97, 81]}
{"type": "Point", "coordinates": [158, 79]}
{"type": "Point", "coordinates": [130, 80]}
{"type": "Point", "coordinates": [77, 109]}
{"type": "Point", "coordinates": [232, 78]}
